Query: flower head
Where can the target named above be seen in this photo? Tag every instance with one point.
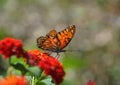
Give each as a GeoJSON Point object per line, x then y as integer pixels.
{"type": "Point", "coordinates": [91, 83]}
{"type": "Point", "coordinates": [50, 65]}
{"type": "Point", "coordinates": [10, 46]}
{"type": "Point", "coordinates": [35, 56]}
{"type": "Point", "coordinates": [14, 80]}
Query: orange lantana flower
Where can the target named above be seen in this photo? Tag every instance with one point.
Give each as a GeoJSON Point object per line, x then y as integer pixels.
{"type": "Point", "coordinates": [14, 80]}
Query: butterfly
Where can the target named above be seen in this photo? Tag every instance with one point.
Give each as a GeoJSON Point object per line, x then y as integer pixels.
{"type": "Point", "coordinates": [56, 41]}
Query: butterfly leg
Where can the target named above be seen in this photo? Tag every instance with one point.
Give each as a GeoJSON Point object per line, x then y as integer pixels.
{"type": "Point", "coordinates": [57, 56]}
{"type": "Point", "coordinates": [48, 52]}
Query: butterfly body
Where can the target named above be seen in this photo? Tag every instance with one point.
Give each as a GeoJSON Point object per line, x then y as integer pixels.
{"type": "Point", "coordinates": [55, 41]}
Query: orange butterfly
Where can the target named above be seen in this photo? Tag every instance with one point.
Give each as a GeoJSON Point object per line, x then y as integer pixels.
{"type": "Point", "coordinates": [55, 41]}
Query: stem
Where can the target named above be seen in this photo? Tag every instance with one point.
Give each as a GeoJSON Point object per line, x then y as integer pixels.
{"type": "Point", "coordinates": [33, 81]}
{"type": "Point", "coordinates": [9, 61]}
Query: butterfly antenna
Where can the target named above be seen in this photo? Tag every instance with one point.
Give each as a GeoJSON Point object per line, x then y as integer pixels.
{"type": "Point", "coordinates": [74, 51]}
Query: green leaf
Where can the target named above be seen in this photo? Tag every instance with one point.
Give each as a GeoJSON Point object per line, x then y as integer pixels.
{"type": "Point", "coordinates": [15, 60]}
{"type": "Point", "coordinates": [20, 67]}
{"type": "Point", "coordinates": [46, 81]}
{"type": "Point", "coordinates": [35, 71]}
{"type": "Point", "coordinates": [3, 66]}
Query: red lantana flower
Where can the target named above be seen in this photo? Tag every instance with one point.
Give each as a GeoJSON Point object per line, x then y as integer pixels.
{"type": "Point", "coordinates": [14, 80]}
{"type": "Point", "coordinates": [10, 46]}
{"type": "Point", "coordinates": [91, 83]}
{"type": "Point", "coordinates": [50, 65]}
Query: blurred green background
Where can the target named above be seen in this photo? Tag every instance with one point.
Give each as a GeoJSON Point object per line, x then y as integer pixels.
{"type": "Point", "coordinates": [95, 46]}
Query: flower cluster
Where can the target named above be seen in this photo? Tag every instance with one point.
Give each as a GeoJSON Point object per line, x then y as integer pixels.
{"type": "Point", "coordinates": [34, 56]}
{"type": "Point", "coordinates": [48, 64]}
{"type": "Point", "coordinates": [14, 80]}
{"type": "Point", "coordinates": [91, 83]}
{"type": "Point", "coordinates": [10, 46]}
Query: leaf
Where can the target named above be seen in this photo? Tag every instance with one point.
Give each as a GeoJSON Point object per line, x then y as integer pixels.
{"type": "Point", "coordinates": [35, 71]}
{"type": "Point", "coordinates": [20, 67]}
{"type": "Point", "coordinates": [46, 81]}
{"type": "Point", "coordinates": [3, 66]}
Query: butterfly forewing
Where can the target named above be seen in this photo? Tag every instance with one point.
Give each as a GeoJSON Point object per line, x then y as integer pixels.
{"type": "Point", "coordinates": [65, 36]}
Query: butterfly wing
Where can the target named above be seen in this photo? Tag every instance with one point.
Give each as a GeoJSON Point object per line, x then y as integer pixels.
{"type": "Point", "coordinates": [50, 42]}
{"type": "Point", "coordinates": [65, 36]}
{"type": "Point", "coordinates": [54, 41]}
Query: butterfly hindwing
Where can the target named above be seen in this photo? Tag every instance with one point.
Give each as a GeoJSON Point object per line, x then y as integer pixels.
{"type": "Point", "coordinates": [49, 42]}
{"type": "Point", "coordinates": [40, 41]}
